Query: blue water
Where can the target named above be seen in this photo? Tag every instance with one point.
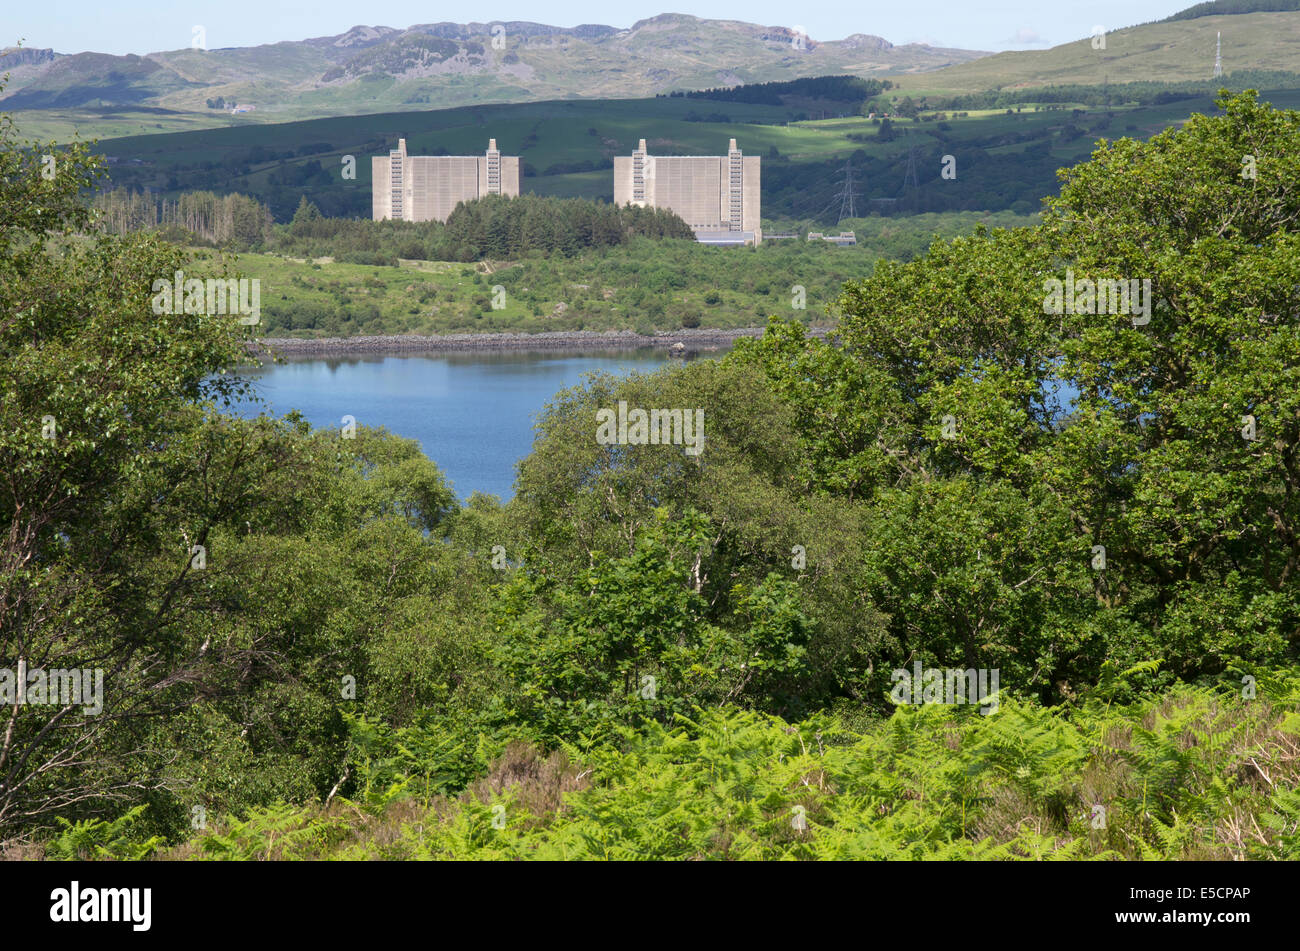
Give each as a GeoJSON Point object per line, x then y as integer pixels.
{"type": "Point", "coordinates": [472, 413]}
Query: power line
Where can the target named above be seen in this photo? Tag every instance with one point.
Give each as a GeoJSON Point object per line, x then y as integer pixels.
{"type": "Point", "coordinates": [848, 196]}
{"type": "Point", "coordinates": [909, 176]}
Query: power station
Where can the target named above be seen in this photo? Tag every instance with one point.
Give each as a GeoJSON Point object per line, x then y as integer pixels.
{"type": "Point", "coordinates": [717, 195]}
{"type": "Point", "coordinates": [429, 187]}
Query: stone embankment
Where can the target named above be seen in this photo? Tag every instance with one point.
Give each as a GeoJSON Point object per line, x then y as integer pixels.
{"type": "Point", "coordinates": [679, 340]}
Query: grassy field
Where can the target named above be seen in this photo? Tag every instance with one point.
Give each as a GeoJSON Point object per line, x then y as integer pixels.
{"type": "Point", "coordinates": [646, 285]}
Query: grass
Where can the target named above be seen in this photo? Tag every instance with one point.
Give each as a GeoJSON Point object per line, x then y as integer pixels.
{"type": "Point", "coordinates": [645, 285]}
{"type": "Point", "coordinates": [1164, 52]}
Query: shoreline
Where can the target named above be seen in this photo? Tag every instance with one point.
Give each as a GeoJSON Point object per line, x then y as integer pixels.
{"type": "Point", "coordinates": [691, 340]}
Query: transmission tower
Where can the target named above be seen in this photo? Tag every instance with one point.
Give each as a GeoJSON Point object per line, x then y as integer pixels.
{"type": "Point", "coordinates": [909, 177]}
{"type": "Point", "coordinates": [1218, 56]}
{"type": "Point", "coordinates": [848, 195]}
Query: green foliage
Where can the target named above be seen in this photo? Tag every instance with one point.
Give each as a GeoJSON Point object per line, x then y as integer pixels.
{"type": "Point", "coordinates": [1221, 7]}
{"type": "Point", "coordinates": [490, 227]}
{"type": "Point", "coordinates": [500, 227]}
{"type": "Point", "coordinates": [631, 640]}
{"type": "Point", "coordinates": [930, 783]}
{"type": "Point", "coordinates": [998, 447]}
{"type": "Point", "coordinates": [102, 839]}
{"type": "Point", "coordinates": [576, 498]}
{"type": "Point", "coordinates": [435, 756]}
{"type": "Point", "coordinates": [224, 682]}
{"type": "Point", "coordinates": [686, 655]}
{"type": "Point", "coordinates": [1007, 162]}
{"type": "Point", "coordinates": [659, 283]}
{"type": "Point", "coordinates": [235, 221]}
{"type": "Point", "coordinates": [276, 831]}
{"type": "Point", "coordinates": [1070, 96]}
{"type": "Point", "coordinates": [842, 89]}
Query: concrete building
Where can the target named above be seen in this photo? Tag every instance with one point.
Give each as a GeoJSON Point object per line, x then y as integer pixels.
{"type": "Point", "coordinates": [717, 195]}
{"type": "Point", "coordinates": [429, 187]}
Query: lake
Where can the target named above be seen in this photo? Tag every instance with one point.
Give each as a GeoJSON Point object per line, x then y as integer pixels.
{"type": "Point", "coordinates": [472, 413]}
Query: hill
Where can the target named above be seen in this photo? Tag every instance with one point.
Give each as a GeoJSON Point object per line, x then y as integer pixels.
{"type": "Point", "coordinates": [374, 69]}
{"type": "Point", "coordinates": [380, 69]}
{"type": "Point", "coordinates": [1006, 157]}
{"type": "Point", "coordinates": [1172, 51]}
{"type": "Point", "coordinates": [1215, 7]}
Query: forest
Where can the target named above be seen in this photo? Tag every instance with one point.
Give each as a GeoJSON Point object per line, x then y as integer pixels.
{"type": "Point", "coordinates": [1009, 143]}
{"type": "Point", "coordinates": [311, 649]}
{"type": "Point", "coordinates": [1220, 7]}
{"type": "Point", "coordinates": [493, 226]}
{"type": "Point", "coordinates": [840, 90]}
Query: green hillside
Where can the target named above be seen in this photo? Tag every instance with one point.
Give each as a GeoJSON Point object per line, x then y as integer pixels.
{"type": "Point", "coordinates": [1004, 161]}
{"type": "Point", "coordinates": [1176, 51]}
{"type": "Point", "coordinates": [1215, 7]}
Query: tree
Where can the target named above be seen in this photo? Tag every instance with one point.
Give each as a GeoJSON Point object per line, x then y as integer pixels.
{"type": "Point", "coordinates": [203, 570]}
{"type": "Point", "coordinates": [1160, 518]}
{"type": "Point", "coordinates": [577, 498]}
{"type": "Point", "coordinates": [306, 213]}
{"type": "Point", "coordinates": [95, 389]}
{"type": "Point", "coordinates": [631, 640]}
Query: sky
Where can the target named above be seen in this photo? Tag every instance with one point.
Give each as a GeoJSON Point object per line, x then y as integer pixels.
{"type": "Point", "coordinates": [132, 26]}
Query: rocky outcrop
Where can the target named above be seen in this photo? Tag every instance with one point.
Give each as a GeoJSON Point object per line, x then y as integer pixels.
{"type": "Point", "coordinates": [14, 56]}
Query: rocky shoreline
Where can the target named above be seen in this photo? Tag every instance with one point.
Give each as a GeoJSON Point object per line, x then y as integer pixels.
{"type": "Point", "coordinates": [679, 340]}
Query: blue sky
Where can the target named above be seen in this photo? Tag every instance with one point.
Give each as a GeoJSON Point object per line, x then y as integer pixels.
{"type": "Point", "coordinates": [131, 26]}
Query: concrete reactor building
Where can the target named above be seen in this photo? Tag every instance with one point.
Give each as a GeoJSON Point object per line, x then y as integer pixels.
{"type": "Point", "coordinates": [429, 187]}
{"type": "Point", "coordinates": [717, 195]}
